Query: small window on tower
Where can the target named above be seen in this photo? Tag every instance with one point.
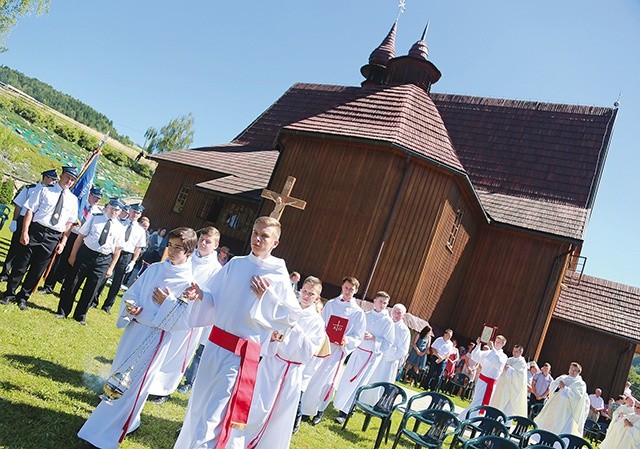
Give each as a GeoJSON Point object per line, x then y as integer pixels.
{"type": "Point", "coordinates": [181, 199]}
{"type": "Point", "coordinates": [454, 230]}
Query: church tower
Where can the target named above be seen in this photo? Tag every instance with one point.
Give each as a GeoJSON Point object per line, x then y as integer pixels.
{"type": "Point", "coordinates": [375, 71]}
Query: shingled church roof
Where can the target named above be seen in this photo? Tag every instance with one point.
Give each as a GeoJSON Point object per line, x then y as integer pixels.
{"type": "Point", "coordinates": [533, 165]}
{"type": "Point", "coordinates": [600, 304]}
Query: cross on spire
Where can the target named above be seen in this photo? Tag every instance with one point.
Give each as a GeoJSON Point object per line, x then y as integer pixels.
{"type": "Point", "coordinates": [283, 199]}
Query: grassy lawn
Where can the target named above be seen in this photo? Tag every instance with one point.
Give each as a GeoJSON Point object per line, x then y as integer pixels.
{"type": "Point", "coordinates": [53, 370]}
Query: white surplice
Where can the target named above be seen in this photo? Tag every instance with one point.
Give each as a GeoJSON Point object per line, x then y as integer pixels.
{"type": "Point", "coordinates": [184, 343]}
{"type": "Point", "coordinates": [390, 362]}
{"type": "Point", "coordinates": [492, 362]}
{"type": "Point", "coordinates": [318, 393]}
{"type": "Point", "coordinates": [143, 346]}
{"type": "Point", "coordinates": [510, 393]}
{"type": "Point", "coordinates": [566, 410]}
{"type": "Point", "coordinates": [279, 383]}
{"type": "Point", "coordinates": [230, 305]}
{"type": "Point", "coordinates": [620, 436]}
{"type": "Point", "coordinates": [364, 360]}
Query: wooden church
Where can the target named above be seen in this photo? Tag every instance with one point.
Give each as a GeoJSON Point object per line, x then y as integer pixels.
{"type": "Point", "coordinates": [468, 210]}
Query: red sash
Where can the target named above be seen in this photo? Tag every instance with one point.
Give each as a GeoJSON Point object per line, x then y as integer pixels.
{"type": "Point", "coordinates": [240, 401]}
{"type": "Point", "coordinates": [489, 390]}
{"type": "Point", "coordinates": [366, 362]}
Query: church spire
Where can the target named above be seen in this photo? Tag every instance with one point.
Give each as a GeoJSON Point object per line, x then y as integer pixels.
{"type": "Point", "coordinates": [374, 71]}
{"type": "Point", "coordinates": [420, 49]}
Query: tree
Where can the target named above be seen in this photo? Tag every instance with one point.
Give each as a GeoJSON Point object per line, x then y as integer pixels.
{"type": "Point", "coordinates": [11, 10]}
{"type": "Point", "coordinates": [175, 135]}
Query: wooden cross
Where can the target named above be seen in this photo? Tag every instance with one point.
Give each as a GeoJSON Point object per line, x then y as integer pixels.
{"type": "Point", "coordinates": [283, 199]}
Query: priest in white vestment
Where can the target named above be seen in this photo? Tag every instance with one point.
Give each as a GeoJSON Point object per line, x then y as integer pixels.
{"type": "Point", "coordinates": [323, 382]}
{"type": "Point", "coordinates": [184, 343]}
{"type": "Point", "coordinates": [510, 394]}
{"type": "Point", "coordinates": [393, 357]}
{"type": "Point", "coordinates": [618, 434]}
{"type": "Point", "coordinates": [364, 361]}
{"type": "Point", "coordinates": [146, 338]}
{"type": "Point", "coordinates": [492, 362]}
{"type": "Point", "coordinates": [249, 298]}
{"type": "Point", "coordinates": [567, 408]}
{"type": "Point", "coordinates": [279, 382]}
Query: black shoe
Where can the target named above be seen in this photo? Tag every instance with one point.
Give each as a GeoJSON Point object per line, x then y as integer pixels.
{"type": "Point", "coordinates": [83, 322]}
{"type": "Point", "coordinates": [22, 304]}
{"type": "Point", "coordinates": [158, 399]}
{"type": "Point", "coordinates": [306, 418]}
{"type": "Point", "coordinates": [4, 278]}
{"type": "Point", "coordinates": [46, 290]}
{"type": "Point", "coordinates": [107, 310]}
{"type": "Point", "coordinates": [341, 418]}
{"type": "Point", "coordinates": [4, 301]}
{"type": "Point", "coordinates": [60, 316]}
{"type": "Point", "coordinates": [184, 388]}
{"type": "Point", "coordinates": [316, 419]}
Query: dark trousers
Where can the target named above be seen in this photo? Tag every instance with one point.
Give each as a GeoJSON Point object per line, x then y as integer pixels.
{"type": "Point", "coordinates": [116, 280]}
{"type": "Point", "coordinates": [435, 373]}
{"type": "Point", "coordinates": [13, 248]}
{"type": "Point", "coordinates": [35, 256]}
{"type": "Point", "coordinates": [61, 266]}
{"type": "Point", "coordinates": [90, 267]}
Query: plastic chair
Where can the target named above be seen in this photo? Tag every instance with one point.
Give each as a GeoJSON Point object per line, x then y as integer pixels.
{"type": "Point", "coordinates": [575, 442]}
{"type": "Point", "coordinates": [535, 409]}
{"type": "Point", "coordinates": [542, 438]}
{"type": "Point", "coordinates": [519, 425]}
{"type": "Point", "coordinates": [490, 442]}
{"type": "Point", "coordinates": [459, 382]}
{"type": "Point", "coordinates": [488, 412]}
{"type": "Point", "coordinates": [438, 422]}
{"type": "Point", "coordinates": [4, 214]}
{"type": "Point", "coordinates": [592, 430]}
{"type": "Point", "coordinates": [478, 427]}
{"type": "Point", "coordinates": [437, 401]}
{"type": "Point", "coordinates": [382, 409]}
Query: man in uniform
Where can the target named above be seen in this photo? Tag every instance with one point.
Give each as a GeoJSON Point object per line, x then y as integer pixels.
{"type": "Point", "coordinates": [93, 256]}
{"type": "Point", "coordinates": [134, 240]}
{"type": "Point", "coordinates": [60, 266]}
{"type": "Point", "coordinates": [48, 178]}
{"type": "Point", "coordinates": [51, 211]}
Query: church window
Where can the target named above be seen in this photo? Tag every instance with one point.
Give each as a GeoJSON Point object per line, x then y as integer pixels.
{"type": "Point", "coordinates": [181, 199]}
{"type": "Point", "coordinates": [454, 230]}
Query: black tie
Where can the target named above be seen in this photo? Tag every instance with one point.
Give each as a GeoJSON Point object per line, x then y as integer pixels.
{"type": "Point", "coordinates": [127, 233]}
{"type": "Point", "coordinates": [55, 218]}
{"type": "Point", "coordinates": [105, 233]}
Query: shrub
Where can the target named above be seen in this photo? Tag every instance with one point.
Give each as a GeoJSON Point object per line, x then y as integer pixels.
{"type": "Point", "coordinates": [6, 192]}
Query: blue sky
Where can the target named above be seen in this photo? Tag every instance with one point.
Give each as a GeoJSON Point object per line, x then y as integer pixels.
{"type": "Point", "coordinates": [144, 62]}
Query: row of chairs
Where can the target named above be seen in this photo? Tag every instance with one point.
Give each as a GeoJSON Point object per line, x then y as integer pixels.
{"type": "Point", "coordinates": [434, 422]}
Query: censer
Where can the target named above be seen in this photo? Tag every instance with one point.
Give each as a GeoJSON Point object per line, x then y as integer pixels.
{"type": "Point", "coordinates": [119, 382]}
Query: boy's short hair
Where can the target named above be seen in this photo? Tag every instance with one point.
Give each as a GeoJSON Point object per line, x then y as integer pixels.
{"type": "Point", "coordinates": [188, 237]}
{"type": "Point", "coordinates": [144, 220]}
{"type": "Point", "coordinates": [576, 365]}
{"type": "Point", "coordinates": [211, 231]}
{"type": "Point", "coordinates": [269, 222]}
{"type": "Point", "coordinates": [400, 307]}
{"type": "Point", "coordinates": [382, 294]}
{"type": "Point", "coordinates": [502, 338]}
{"type": "Point", "coordinates": [518, 347]}
{"type": "Point", "coordinates": [314, 282]}
{"type": "Point", "coordinates": [351, 280]}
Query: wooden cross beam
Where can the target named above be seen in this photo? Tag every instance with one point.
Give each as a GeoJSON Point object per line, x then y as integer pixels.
{"type": "Point", "coordinates": [283, 199]}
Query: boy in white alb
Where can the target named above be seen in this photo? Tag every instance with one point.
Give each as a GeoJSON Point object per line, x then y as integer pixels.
{"type": "Point", "coordinates": [364, 361]}
{"type": "Point", "coordinates": [321, 386]}
{"type": "Point", "coordinates": [184, 343]}
{"type": "Point", "coordinates": [245, 301]}
{"type": "Point", "coordinates": [144, 343]}
{"type": "Point", "coordinates": [279, 382]}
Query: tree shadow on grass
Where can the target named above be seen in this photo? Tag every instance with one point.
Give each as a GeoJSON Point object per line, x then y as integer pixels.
{"type": "Point", "coordinates": [25, 426]}
{"type": "Point", "coordinates": [46, 368]}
